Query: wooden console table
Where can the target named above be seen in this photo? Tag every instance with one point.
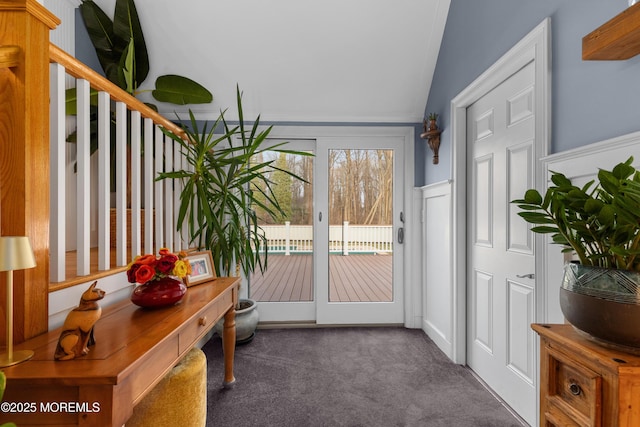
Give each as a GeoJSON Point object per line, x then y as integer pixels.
{"type": "Point", "coordinates": [135, 348]}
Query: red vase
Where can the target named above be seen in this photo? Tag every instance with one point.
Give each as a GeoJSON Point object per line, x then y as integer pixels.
{"type": "Point", "coordinates": [162, 292]}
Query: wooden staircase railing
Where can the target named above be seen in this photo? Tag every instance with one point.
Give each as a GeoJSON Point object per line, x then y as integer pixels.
{"type": "Point", "coordinates": [137, 131]}
{"type": "Point", "coordinates": [34, 159]}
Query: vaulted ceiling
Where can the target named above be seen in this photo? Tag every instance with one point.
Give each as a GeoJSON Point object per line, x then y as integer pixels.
{"type": "Point", "coordinates": [363, 61]}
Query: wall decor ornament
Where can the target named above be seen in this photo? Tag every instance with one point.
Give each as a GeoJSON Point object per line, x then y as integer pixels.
{"type": "Point", "coordinates": [432, 135]}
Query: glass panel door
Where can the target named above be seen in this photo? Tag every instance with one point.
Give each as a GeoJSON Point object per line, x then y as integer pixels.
{"type": "Point", "coordinates": [359, 260]}
{"type": "Point", "coordinates": [360, 225]}
{"type": "Point", "coordinates": [289, 274]}
{"type": "Point", "coordinates": [334, 256]}
{"type": "Point", "coordinates": [285, 291]}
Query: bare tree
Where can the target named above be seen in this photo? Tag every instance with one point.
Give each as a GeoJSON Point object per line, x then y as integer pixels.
{"type": "Point", "coordinates": [360, 187]}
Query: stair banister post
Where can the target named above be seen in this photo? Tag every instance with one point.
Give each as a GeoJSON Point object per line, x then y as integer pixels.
{"type": "Point", "coordinates": [24, 156]}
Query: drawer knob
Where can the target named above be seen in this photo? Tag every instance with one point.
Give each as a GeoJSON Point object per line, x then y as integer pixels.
{"type": "Point", "coordinates": [575, 389]}
{"type": "Point", "coordinates": [202, 321]}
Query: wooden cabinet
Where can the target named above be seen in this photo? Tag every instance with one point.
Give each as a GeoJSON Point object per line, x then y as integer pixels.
{"type": "Point", "coordinates": [134, 350]}
{"type": "Point", "coordinates": [586, 384]}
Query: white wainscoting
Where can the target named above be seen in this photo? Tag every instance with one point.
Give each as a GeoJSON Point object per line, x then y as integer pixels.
{"type": "Point", "coordinates": [438, 292]}
{"type": "Point", "coordinates": [580, 165]}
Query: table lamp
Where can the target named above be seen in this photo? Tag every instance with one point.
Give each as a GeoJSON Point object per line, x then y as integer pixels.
{"type": "Point", "coordinates": [15, 254]}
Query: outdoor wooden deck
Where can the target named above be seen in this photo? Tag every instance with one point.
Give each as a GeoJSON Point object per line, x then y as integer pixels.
{"type": "Point", "coordinates": [353, 278]}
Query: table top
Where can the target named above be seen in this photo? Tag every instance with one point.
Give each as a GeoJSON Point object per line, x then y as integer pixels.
{"type": "Point", "coordinates": [578, 344]}
{"type": "Point", "coordinates": [123, 334]}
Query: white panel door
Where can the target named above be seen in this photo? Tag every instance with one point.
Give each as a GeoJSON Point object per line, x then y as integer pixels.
{"type": "Point", "coordinates": [500, 281]}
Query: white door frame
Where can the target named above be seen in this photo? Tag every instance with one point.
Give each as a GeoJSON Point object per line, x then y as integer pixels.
{"type": "Point", "coordinates": [535, 46]}
{"type": "Point", "coordinates": [410, 286]}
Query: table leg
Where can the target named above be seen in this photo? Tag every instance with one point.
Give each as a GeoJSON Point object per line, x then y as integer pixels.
{"type": "Point", "coordinates": [229, 345]}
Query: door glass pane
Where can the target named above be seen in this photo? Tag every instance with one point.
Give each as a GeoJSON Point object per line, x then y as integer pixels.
{"type": "Point", "coordinates": [289, 275]}
{"type": "Point", "coordinates": [360, 225]}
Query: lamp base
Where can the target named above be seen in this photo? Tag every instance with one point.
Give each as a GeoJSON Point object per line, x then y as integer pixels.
{"type": "Point", "coordinates": [17, 357]}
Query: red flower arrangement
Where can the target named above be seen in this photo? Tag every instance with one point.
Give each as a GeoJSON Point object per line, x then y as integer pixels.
{"type": "Point", "coordinates": [145, 268]}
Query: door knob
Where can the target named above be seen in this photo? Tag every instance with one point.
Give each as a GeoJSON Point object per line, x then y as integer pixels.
{"type": "Point", "coordinates": [526, 276]}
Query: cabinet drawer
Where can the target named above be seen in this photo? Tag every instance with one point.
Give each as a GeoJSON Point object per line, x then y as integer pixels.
{"type": "Point", "coordinates": [554, 417]}
{"type": "Point", "coordinates": [203, 322]}
{"type": "Point", "coordinates": [574, 390]}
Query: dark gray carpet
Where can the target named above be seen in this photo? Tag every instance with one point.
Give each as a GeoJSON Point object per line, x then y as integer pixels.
{"type": "Point", "coordinates": [347, 377]}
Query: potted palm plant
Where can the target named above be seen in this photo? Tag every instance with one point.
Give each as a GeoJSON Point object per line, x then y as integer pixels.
{"type": "Point", "coordinates": [599, 223]}
{"type": "Point", "coordinates": [221, 188]}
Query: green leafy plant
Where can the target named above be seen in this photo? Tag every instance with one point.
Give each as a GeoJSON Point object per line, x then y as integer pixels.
{"type": "Point", "coordinates": [600, 223]}
{"type": "Point", "coordinates": [222, 185]}
{"type": "Point", "coordinates": [122, 52]}
{"type": "Point", "coordinates": [433, 116]}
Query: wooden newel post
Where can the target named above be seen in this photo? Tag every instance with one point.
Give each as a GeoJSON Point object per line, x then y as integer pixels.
{"type": "Point", "coordinates": [24, 155]}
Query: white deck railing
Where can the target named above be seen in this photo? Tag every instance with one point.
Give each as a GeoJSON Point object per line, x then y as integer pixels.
{"type": "Point", "coordinates": [83, 201]}
{"type": "Point", "coordinates": [343, 238]}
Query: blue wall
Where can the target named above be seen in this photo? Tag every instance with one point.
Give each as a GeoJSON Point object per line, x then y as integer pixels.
{"type": "Point", "coordinates": [591, 100]}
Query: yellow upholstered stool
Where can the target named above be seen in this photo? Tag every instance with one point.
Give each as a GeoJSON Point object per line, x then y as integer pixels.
{"type": "Point", "coordinates": [179, 399]}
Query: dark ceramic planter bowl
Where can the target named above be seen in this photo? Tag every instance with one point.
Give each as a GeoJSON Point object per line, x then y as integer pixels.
{"type": "Point", "coordinates": [603, 303]}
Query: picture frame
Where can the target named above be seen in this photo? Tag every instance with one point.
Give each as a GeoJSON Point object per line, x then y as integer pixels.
{"type": "Point", "coordinates": [201, 268]}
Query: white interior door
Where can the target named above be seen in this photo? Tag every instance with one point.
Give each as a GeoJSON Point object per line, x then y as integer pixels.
{"type": "Point", "coordinates": [359, 230]}
{"type": "Point", "coordinates": [500, 267]}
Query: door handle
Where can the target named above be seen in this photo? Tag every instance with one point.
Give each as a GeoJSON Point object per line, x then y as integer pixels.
{"type": "Point", "coordinates": [526, 276]}
{"type": "Point", "coordinates": [401, 235]}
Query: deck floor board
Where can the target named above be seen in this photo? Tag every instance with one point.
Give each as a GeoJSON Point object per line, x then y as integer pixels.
{"type": "Point", "coordinates": [353, 278]}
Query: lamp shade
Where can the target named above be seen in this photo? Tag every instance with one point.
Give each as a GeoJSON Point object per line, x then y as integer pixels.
{"type": "Point", "coordinates": [16, 253]}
